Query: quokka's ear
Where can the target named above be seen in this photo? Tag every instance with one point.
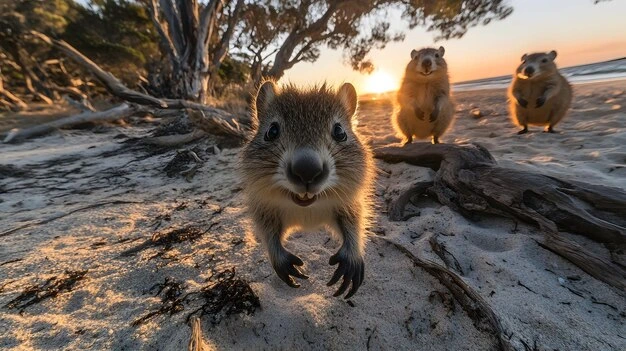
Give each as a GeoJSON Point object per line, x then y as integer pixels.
{"type": "Point", "coordinates": [552, 55]}
{"type": "Point", "coordinates": [347, 95]}
{"type": "Point", "coordinates": [524, 57]}
{"type": "Point", "coordinates": [442, 51]}
{"type": "Point", "coordinates": [414, 54]}
{"type": "Point", "coordinates": [266, 94]}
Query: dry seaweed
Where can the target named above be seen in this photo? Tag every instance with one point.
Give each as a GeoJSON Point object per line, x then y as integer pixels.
{"type": "Point", "coordinates": [49, 289]}
{"type": "Point", "coordinates": [171, 302]}
{"type": "Point", "coordinates": [228, 295]}
{"type": "Point", "coordinates": [167, 240]}
{"type": "Point", "coordinates": [225, 295]}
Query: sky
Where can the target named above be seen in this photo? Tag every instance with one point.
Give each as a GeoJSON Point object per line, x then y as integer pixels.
{"type": "Point", "coordinates": [578, 30]}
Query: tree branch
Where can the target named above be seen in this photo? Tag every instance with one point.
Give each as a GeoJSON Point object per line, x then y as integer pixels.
{"type": "Point", "coordinates": [166, 41]}
{"type": "Point", "coordinates": [113, 114]}
{"type": "Point", "coordinates": [210, 118]}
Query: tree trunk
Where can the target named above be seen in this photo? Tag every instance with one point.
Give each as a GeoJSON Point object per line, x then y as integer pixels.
{"type": "Point", "coordinates": [469, 181]}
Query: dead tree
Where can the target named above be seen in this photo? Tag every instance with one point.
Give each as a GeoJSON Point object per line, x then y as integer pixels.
{"type": "Point", "coordinates": [195, 40]}
{"type": "Point", "coordinates": [204, 117]}
{"type": "Point", "coordinates": [469, 180]}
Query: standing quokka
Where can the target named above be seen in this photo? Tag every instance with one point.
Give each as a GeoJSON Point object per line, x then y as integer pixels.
{"type": "Point", "coordinates": [539, 94]}
{"type": "Point", "coordinates": [305, 168]}
{"type": "Point", "coordinates": [424, 105]}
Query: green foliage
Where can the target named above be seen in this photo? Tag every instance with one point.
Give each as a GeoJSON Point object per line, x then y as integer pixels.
{"type": "Point", "coordinates": [117, 34]}
{"type": "Point", "coordinates": [299, 28]}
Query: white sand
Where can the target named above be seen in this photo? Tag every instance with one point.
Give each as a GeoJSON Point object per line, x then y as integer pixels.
{"type": "Point", "coordinates": [398, 307]}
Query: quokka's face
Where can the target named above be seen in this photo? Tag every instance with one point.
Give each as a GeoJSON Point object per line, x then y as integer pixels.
{"type": "Point", "coordinates": [536, 65]}
{"type": "Point", "coordinates": [428, 62]}
{"type": "Point", "coordinates": [304, 149]}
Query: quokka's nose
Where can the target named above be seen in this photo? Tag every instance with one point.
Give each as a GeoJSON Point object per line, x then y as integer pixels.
{"type": "Point", "coordinates": [529, 70]}
{"type": "Point", "coordinates": [306, 167]}
{"type": "Point", "coordinates": [427, 63]}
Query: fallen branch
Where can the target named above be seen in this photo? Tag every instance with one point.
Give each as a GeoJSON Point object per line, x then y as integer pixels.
{"type": "Point", "coordinates": [469, 180]}
{"type": "Point", "coordinates": [173, 140]}
{"type": "Point", "coordinates": [474, 305]}
{"type": "Point", "coordinates": [12, 101]}
{"type": "Point", "coordinates": [586, 260]}
{"type": "Point", "coordinates": [113, 114]}
{"type": "Point", "coordinates": [210, 119]}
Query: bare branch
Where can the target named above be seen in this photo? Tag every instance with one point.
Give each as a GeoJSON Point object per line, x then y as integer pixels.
{"type": "Point", "coordinates": [118, 112]}
{"type": "Point", "coordinates": [166, 41]}
{"type": "Point", "coordinates": [209, 118]}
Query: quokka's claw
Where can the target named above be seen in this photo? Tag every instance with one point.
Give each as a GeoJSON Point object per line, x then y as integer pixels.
{"type": "Point", "coordinates": [352, 272]}
{"type": "Point", "coordinates": [286, 268]}
{"type": "Point", "coordinates": [540, 101]}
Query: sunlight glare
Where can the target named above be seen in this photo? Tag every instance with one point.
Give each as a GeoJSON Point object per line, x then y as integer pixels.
{"type": "Point", "coordinates": [380, 82]}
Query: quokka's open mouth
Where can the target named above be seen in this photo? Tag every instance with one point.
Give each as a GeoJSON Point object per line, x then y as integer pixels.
{"type": "Point", "coordinates": [303, 200]}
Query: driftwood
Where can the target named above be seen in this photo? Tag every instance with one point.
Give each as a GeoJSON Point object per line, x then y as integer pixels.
{"type": "Point", "coordinates": [12, 102]}
{"type": "Point", "coordinates": [469, 180]}
{"type": "Point", "coordinates": [210, 119]}
{"type": "Point", "coordinates": [113, 114]}
{"type": "Point", "coordinates": [474, 305]}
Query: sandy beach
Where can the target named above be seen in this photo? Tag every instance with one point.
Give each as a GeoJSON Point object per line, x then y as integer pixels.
{"type": "Point", "coordinates": [107, 243]}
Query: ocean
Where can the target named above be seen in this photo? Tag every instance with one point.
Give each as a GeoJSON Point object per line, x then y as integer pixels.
{"type": "Point", "coordinates": [593, 72]}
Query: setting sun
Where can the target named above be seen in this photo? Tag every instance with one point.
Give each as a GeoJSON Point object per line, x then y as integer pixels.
{"type": "Point", "coordinates": [380, 82]}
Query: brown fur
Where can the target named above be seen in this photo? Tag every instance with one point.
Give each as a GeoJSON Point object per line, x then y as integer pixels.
{"type": "Point", "coordinates": [306, 118]}
{"type": "Point", "coordinates": [424, 107]}
{"type": "Point", "coordinates": [546, 94]}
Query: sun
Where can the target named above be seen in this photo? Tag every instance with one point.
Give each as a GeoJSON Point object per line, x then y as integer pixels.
{"type": "Point", "coordinates": [380, 82]}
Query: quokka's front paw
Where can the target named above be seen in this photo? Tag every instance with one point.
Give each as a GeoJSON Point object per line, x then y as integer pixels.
{"type": "Point", "coordinates": [522, 102]}
{"type": "Point", "coordinates": [285, 268]}
{"type": "Point", "coordinates": [540, 101]}
{"type": "Point", "coordinates": [434, 115]}
{"type": "Point", "coordinates": [352, 270]}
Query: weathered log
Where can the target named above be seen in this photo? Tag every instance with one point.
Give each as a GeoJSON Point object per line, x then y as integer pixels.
{"type": "Point", "coordinates": [469, 180]}
{"type": "Point", "coordinates": [173, 140]}
{"type": "Point", "coordinates": [586, 260]}
{"type": "Point", "coordinates": [113, 114]}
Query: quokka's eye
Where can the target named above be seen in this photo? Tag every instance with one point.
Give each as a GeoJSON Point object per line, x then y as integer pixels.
{"type": "Point", "coordinates": [339, 134]}
{"type": "Point", "coordinates": [436, 55]}
{"type": "Point", "coordinates": [273, 132]}
{"type": "Point", "coordinates": [544, 60]}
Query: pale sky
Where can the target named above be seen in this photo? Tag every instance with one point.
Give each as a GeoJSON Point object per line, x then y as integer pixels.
{"type": "Point", "coordinates": [580, 31]}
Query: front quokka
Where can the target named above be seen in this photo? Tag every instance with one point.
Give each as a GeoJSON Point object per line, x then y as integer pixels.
{"type": "Point", "coordinates": [424, 105]}
{"type": "Point", "coordinates": [539, 94]}
{"type": "Point", "coordinates": [305, 168]}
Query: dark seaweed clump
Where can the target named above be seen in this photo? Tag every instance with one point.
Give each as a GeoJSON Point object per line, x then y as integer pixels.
{"type": "Point", "coordinates": [176, 236]}
{"type": "Point", "coordinates": [167, 240]}
{"type": "Point", "coordinates": [171, 302]}
{"type": "Point", "coordinates": [224, 296]}
{"type": "Point", "coordinates": [228, 295]}
{"type": "Point", "coordinates": [49, 289]}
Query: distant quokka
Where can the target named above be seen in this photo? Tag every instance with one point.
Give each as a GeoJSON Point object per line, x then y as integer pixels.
{"type": "Point", "coordinates": [305, 168]}
{"type": "Point", "coordinates": [539, 94]}
{"type": "Point", "coordinates": [424, 108]}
